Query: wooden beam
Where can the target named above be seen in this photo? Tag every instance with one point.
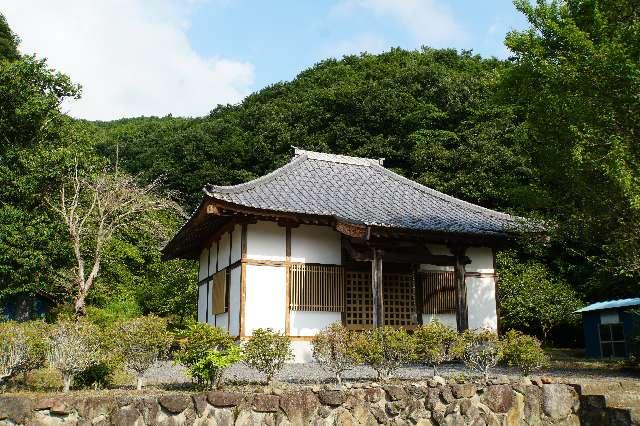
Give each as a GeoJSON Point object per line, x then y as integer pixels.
{"type": "Point", "coordinates": [419, 294]}
{"type": "Point", "coordinates": [376, 288]}
{"type": "Point", "coordinates": [418, 255]}
{"type": "Point", "coordinates": [243, 278]}
{"type": "Point", "coordinates": [359, 254]}
{"type": "Point", "coordinates": [496, 291]}
{"type": "Point", "coordinates": [287, 311]}
{"type": "Point", "coordinates": [213, 209]}
{"type": "Point", "coordinates": [422, 258]}
{"type": "Point", "coordinates": [462, 312]}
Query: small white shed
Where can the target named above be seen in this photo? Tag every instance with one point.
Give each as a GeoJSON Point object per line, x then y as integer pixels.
{"type": "Point", "coordinates": [331, 238]}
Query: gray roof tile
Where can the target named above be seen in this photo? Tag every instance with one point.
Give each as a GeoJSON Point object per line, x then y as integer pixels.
{"type": "Point", "coordinates": [361, 190]}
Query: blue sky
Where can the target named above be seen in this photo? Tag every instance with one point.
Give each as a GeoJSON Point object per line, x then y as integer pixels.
{"type": "Point", "coordinates": [282, 38]}
{"type": "Point", "coordinates": [183, 57]}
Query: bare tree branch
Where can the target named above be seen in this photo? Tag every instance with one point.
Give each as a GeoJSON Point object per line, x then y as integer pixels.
{"type": "Point", "coordinates": [95, 209]}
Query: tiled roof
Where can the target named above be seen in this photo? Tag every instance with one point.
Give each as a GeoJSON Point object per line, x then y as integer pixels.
{"type": "Point", "coordinates": [611, 304]}
{"type": "Point", "coordinates": [362, 191]}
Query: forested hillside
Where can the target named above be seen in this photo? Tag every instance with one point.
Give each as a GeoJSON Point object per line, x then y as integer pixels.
{"type": "Point", "coordinates": [549, 134]}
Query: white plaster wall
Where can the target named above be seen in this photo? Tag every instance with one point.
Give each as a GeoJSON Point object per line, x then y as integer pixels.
{"type": "Point", "coordinates": [223, 251]}
{"type": "Point", "coordinates": [222, 321]}
{"type": "Point", "coordinates": [481, 302]}
{"type": "Point", "coordinates": [481, 260]}
{"type": "Point", "coordinates": [446, 319]}
{"type": "Point", "coordinates": [266, 241]}
{"type": "Point", "coordinates": [315, 244]}
{"type": "Point", "coordinates": [302, 351]}
{"type": "Point", "coordinates": [204, 262]}
{"type": "Point", "coordinates": [236, 243]}
{"type": "Point", "coordinates": [264, 298]}
{"type": "Point", "coordinates": [213, 256]}
{"type": "Point", "coordinates": [234, 302]}
{"type": "Point", "coordinates": [202, 302]}
{"type": "Point", "coordinates": [309, 323]}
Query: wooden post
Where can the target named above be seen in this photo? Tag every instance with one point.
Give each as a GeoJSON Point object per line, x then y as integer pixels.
{"type": "Point", "coordinates": [462, 314]}
{"type": "Point", "coordinates": [287, 312]}
{"type": "Point", "coordinates": [243, 278]}
{"type": "Point", "coordinates": [419, 294]}
{"type": "Point", "coordinates": [496, 291]}
{"type": "Point", "coordinates": [376, 288]}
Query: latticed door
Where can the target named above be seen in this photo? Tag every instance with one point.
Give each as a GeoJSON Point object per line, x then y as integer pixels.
{"type": "Point", "coordinates": [398, 292]}
{"type": "Point", "coordinates": [399, 298]}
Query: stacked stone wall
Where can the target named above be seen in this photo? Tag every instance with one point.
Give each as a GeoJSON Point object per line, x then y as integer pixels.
{"type": "Point", "coordinates": [499, 402]}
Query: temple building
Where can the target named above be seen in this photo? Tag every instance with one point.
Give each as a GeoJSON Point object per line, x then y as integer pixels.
{"type": "Point", "coordinates": [329, 238]}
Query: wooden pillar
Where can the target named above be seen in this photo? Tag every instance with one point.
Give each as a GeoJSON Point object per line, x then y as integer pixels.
{"type": "Point", "coordinates": [376, 288]}
{"type": "Point", "coordinates": [287, 312]}
{"type": "Point", "coordinates": [243, 278]}
{"type": "Point", "coordinates": [462, 314]}
{"type": "Point", "coordinates": [419, 294]}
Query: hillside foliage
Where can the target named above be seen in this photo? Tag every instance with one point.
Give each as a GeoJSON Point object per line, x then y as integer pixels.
{"type": "Point", "coordinates": [550, 134]}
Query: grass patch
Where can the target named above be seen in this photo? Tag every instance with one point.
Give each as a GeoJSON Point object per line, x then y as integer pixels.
{"type": "Point", "coordinates": [574, 359]}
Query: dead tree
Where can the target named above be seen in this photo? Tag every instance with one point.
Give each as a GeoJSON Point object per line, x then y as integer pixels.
{"type": "Point", "coordinates": [96, 208]}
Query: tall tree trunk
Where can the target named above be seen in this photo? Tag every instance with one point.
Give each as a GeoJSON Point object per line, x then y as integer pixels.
{"type": "Point", "coordinates": [139, 382]}
{"type": "Point", "coordinates": [80, 304]}
{"type": "Point", "coordinates": [66, 382]}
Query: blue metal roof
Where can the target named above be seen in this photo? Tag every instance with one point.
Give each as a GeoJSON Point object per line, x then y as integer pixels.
{"type": "Point", "coordinates": [611, 304]}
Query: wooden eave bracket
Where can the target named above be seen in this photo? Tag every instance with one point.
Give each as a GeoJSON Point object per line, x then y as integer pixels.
{"type": "Point", "coordinates": [390, 253]}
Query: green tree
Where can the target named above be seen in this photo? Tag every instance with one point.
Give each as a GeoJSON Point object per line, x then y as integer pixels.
{"type": "Point", "coordinates": [8, 41]}
{"type": "Point", "coordinates": [142, 341]}
{"type": "Point", "coordinates": [38, 144]}
{"type": "Point", "coordinates": [575, 79]}
{"type": "Point", "coordinates": [531, 298]}
{"type": "Point", "coordinates": [267, 351]}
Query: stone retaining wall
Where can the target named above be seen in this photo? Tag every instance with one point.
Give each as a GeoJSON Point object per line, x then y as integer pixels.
{"type": "Point", "coordinates": [423, 403]}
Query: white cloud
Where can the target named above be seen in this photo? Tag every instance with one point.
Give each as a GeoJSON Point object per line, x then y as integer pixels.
{"type": "Point", "coordinates": [132, 57]}
{"type": "Point", "coordinates": [366, 42]}
{"type": "Point", "coordinates": [428, 21]}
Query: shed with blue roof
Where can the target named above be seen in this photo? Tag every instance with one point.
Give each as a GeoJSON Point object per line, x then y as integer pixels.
{"type": "Point", "coordinates": [611, 328]}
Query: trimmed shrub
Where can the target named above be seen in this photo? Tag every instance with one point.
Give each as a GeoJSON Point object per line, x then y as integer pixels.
{"type": "Point", "coordinates": [385, 349]}
{"type": "Point", "coordinates": [99, 375]}
{"type": "Point", "coordinates": [142, 342]}
{"type": "Point", "coordinates": [22, 347]}
{"type": "Point", "coordinates": [333, 349]}
{"type": "Point", "coordinates": [40, 379]}
{"type": "Point", "coordinates": [523, 352]}
{"type": "Point", "coordinates": [102, 374]}
{"type": "Point", "coordinates": [210, 368]}
{"type": "Point", "coordinates": [201, 342]}
{"type": "Point", "coordinates": [73, 347]}
{"type": "Point", "coordinates": [479, 350]}
{"type": "Point", "coordinates": [267, 351]}
{"type": "Point", "coordinates": [113, 313]}
{"type": "Point", "coordinates": [434, 344]}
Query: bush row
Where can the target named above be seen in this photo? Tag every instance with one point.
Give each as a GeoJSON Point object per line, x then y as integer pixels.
{"type": "Point", "coordinates": [83, 350]}
{"type": "Point", "coordinates": [87, 354]}
{"type": "Point", "coordinates": [385, 349]}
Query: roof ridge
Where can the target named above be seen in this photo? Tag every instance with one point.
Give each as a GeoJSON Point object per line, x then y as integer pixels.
{"type": "Point", "coordinates": [209, 189]}
{"type": "Point", "coordinates": [338, 158]}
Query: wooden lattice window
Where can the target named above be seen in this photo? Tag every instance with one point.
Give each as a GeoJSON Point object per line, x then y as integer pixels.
{"type": "Point", "coordinates": [317, 287]}
{"type": "Point", "coordinates": [220, 293]}
{"type": "Point", "coordinates": [359, 299]}
{"type": "Point", "coordinates": [398, 295]}
{"type": "Point", "coordinates": [439, 291]}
